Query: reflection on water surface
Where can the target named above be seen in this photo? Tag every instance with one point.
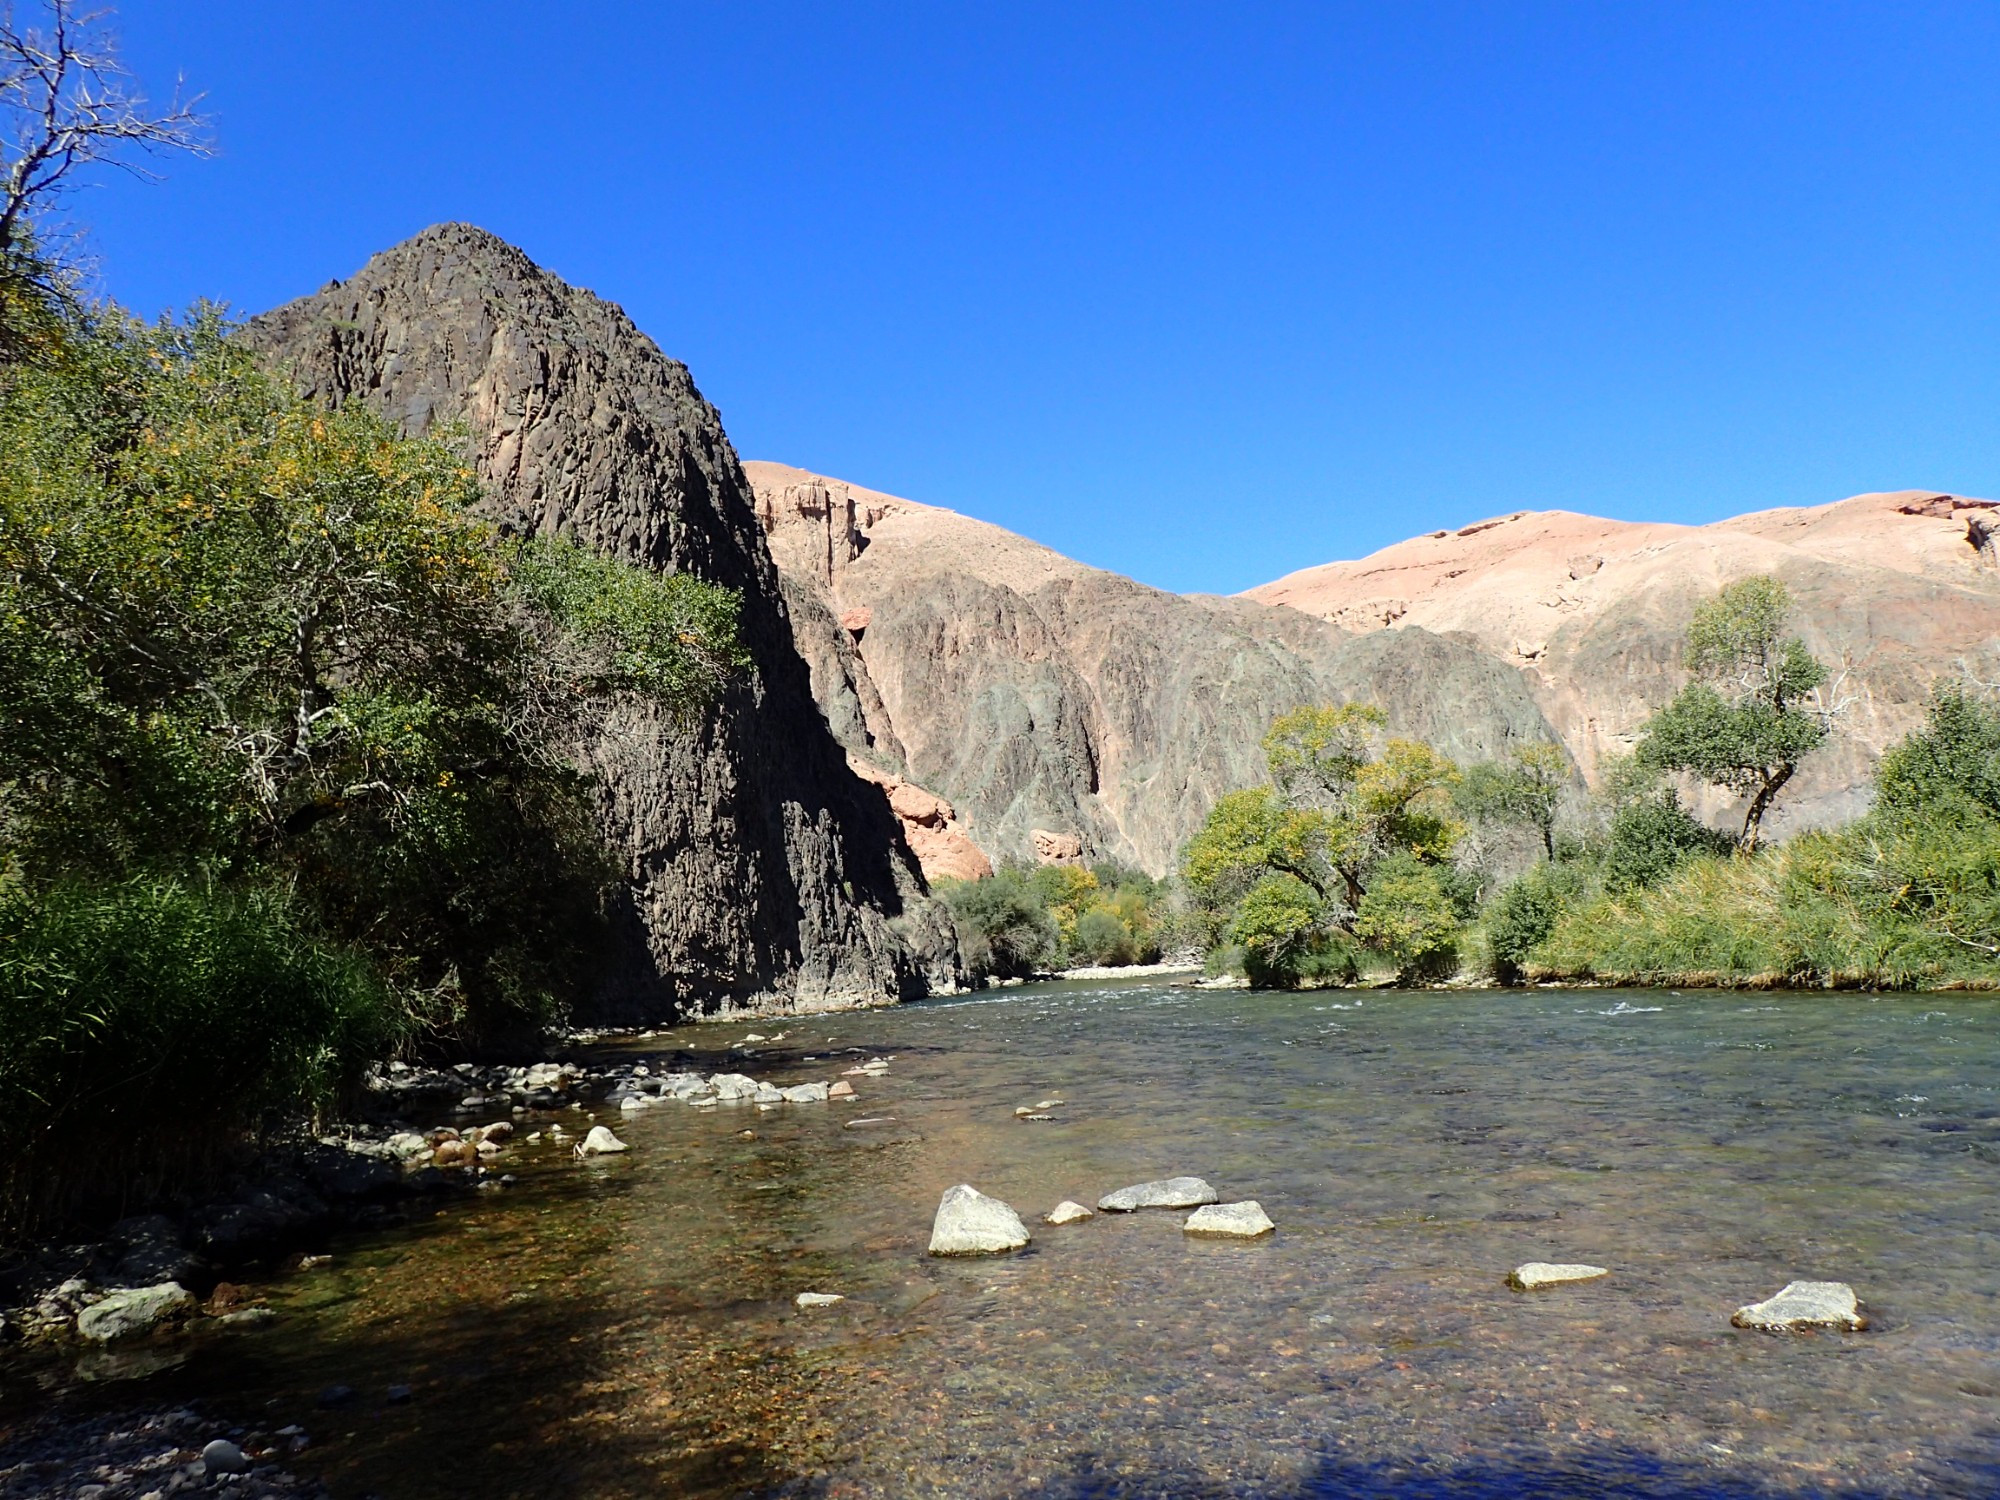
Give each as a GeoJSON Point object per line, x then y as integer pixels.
{"type": "Point", "coordinates": [626, 1327]}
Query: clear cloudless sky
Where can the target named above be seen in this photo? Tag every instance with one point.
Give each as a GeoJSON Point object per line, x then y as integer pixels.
{"type": "Point", "coordinates": [1201, 293]}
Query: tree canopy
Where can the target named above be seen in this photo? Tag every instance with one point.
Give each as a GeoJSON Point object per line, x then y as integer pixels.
{"type": "Point", "coordinates": [1744, 724]}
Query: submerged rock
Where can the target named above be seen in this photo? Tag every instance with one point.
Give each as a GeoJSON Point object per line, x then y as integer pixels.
{"type": "Point", "coordinates": [1067, 1212]}
{"type": "Point", "coordinates": [601, 1142]}
{"type": "Point", "coordinates": [817, 1299]}
{"type": "Point", "coordinates": [1167, 1192]}
{"type": "Point", "coordinates": [1243, 1221]}
{"type": "Point", "coordinates": [1805, 1304]}
{"type": "Point", "coordinates": [133, 1310]}
{"type": "Point", "coordinates": [1537, 1274]}
{"type": "Point", "coordinates": [970, 1223]}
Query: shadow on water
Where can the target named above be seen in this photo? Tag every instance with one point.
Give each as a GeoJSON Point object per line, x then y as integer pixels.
{"type": "Point", "coordinates": [523, 1400]}
{"type": "Point", "coordinates": [1598, 1472]}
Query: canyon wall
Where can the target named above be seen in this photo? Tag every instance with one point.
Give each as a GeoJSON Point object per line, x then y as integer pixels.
{"type": "Point", "coordinates": [1040, 694]}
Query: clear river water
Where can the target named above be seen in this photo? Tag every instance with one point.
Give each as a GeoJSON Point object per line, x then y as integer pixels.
{"type": "Point", "coordinates": [626, 1327]}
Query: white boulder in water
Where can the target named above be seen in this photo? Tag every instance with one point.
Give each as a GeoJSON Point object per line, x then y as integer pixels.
{"type": "Point", "coordinates": [1168, 1192]}
{"type": "Point", "coordinates": [805, 1093]}
{"type": "Point", "coordinates": [601, 1142]}
{"type": "Point", "coordinates": [1243, 1221]}
{"type": "Point", "coordinates": [1537, 1274]}
{"type": "Point", "coordinates": [817, 1299]}
{"type": "Point", "coordinates": [1067, 1212]}
{"type": "Point", "coordinates": [970, 1223]}
{"type": "Point", "coordinates": [1805, 1304]}
{"type": "Point", "coordinates": [730, 1087]}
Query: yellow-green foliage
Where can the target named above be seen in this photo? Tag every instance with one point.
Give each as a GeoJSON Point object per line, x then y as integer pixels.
{"type": "Point", "coordinates": [1894, 901]}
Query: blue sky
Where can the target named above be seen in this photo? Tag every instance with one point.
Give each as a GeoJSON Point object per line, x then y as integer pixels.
{"type": "Point", "coordinates": [1200, 293]}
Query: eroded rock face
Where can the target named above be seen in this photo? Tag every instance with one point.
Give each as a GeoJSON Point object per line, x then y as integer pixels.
{"type": "Point", "coordinates": [1039, 694]}
{"type": "Point", "coordinates": [759, 872]}
{"type": "Point", "coordinates": [930, 826]}
{"type": "Point", "coordinates": [1893, 591]}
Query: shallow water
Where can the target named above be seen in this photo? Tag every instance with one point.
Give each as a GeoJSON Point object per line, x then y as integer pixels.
{"type": "Point", "coordinates": [625, 1327]}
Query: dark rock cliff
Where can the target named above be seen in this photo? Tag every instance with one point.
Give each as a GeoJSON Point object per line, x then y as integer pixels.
{"type": "Point", "coordinates": [760, 872]}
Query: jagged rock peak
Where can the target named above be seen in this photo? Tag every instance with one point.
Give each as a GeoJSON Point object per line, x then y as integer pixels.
{"type": "Point", "coordinates": [760, 871]}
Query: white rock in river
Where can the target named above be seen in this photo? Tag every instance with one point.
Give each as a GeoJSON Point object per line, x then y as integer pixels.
{"type": "Point", "coordinates": [767, 1095]}
{"type": "Point", "coordinates": [1805, 1304]}
{"type": "Point", "coordinates": [1537, 1274]}
{"type": "Point", "coordinates": [133, 1310]}
{"type": "Point", "coordinates": [601, 1142]}
{"type": "Point", "coordinates": [1243, 1221]}
{"type": "Point", "coordinates": [818, 1299]}
{"type": "Point", "coordinates": [970, 1223]}
{"type": "Point", "coordinates": [1168, 1192]}
{"type": "Point", "coordinates": [732, 1086]}
{"type": "Point", "coordinates": [1067, 1212]}
{"type": "Point", "coordinates": [805, 1093]}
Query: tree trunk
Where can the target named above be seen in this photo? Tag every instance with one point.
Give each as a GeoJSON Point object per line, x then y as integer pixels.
{"type": "Point", "coordinates": [1753, 820]}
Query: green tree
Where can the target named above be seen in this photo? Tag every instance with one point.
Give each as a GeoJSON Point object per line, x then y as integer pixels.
{"type": "Point", "coordinates": [1283, 870]}
{"type": "Point", "coordinates": [1408, 914]}
{"type": "Point", "coordinates": [1954, 757]}
{"type": "Point", "coordinates": [252, 641]}
{"type": "Point", "coordinates": [1525, 789]}
{"type": "Point", "coordinates": [1745, 724]}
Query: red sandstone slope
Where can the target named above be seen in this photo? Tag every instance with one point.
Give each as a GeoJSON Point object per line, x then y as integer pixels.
{"type": "Point", "coordinates": [1899, 588]}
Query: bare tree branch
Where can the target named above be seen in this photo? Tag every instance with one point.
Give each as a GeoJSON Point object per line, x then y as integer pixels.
{"type": "Point", "coordinates": [67, 102]}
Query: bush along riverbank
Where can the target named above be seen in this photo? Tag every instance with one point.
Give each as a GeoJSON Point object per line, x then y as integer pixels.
{"type": "Point", "coordinates": [1367, 858]}
{"type": "Point", "coordinates": [286, 780]}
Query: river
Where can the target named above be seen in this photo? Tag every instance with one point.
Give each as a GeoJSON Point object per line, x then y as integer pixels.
{"type": "Point", "coordinates": [625, 1326]}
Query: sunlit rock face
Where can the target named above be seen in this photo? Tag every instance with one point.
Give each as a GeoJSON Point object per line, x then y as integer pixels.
{"type": "Point", "coordinates": [760, 871]}
{"type": "Point", "coordinates": [1040, 695]}
{"type": "Point", "coordinates": [1893, 590]}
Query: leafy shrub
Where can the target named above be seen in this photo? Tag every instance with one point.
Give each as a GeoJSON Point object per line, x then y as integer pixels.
{"type": "Point", "coordinates": [1651, 837]}
{"type": "Point", "coordinates": [1524, 916]}
{"type": "Point", "coordinates": [144, 1026]}
{"type": "Point", "coordinates": [1408, 915]}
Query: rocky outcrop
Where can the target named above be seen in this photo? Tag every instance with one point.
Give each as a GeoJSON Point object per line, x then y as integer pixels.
{"type": "Point", "coordinates": [930, 827]}
{"type": "Point", "coordinates": [1042, 696]}
{"type": "Point", "coordinates": [759, 871]}
{"type": "Point", "coordinates": [1893, 590]}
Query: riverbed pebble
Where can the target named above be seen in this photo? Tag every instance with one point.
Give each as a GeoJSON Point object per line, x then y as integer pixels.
{"type": "Point", "coordinates": [970, 1223]}
{"type": "Point", "coordinates": [1537, 1274]}
{"type": "Point", "coordinates": [1802, 1305]}
{"type": "Point", "coordinates": [1166, 1192]}
{"type": "Point", "coordinates": [1243, 1221]}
